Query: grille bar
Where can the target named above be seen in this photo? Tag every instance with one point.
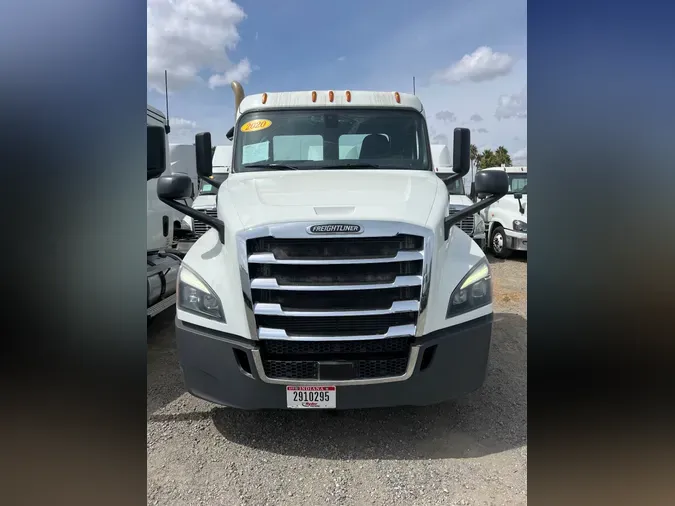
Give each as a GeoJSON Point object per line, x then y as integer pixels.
{"type": "Point", "coordinates": [269, 258]}
{"type": "Point", "coordinates": [281, 334]}
{"type": "Point", "coordinates": [272, 284]}
{"type": "Point", "coordinates": [403, 306]}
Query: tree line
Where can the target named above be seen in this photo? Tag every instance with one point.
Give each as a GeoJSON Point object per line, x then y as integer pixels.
{"type": "Point", "coordinates": [489, 158]}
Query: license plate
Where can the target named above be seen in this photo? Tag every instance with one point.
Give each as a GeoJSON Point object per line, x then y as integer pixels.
{"type": "Point", "coordinates": [314, 397]}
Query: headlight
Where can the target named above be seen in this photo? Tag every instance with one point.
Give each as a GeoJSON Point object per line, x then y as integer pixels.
{"type": "Point", "coordinates": [519, 226]}
{"type": "Point", "coordinates": [474, 291]}
{"type": "Point", "coordinates": [195, 296]}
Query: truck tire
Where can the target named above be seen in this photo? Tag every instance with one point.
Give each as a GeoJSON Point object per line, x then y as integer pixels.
{"type": "Point", "coordinates": [498, 243]}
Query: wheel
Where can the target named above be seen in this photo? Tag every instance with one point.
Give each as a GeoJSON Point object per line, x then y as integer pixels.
{"type": "Point", "coordinates": [498, 243]}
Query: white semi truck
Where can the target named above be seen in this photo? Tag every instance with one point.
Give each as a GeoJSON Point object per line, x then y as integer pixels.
{"type": "Point", "coordinates": [506, 218]}
{"type": "Point", "coordinates": [182, 160]}
{"type": "Point", "coordinates": [163, 260]}
{"type": "Point", "coordinates": [327, 282]}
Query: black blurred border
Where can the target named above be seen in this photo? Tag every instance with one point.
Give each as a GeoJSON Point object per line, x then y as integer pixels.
{"type": "Point", "coordinates": [72, 94]}
{"type": "Point", "coordinates": [600, 266]}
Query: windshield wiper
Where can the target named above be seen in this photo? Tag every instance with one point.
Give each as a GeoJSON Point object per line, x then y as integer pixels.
{"type": "Point", "coordinates": [273, 166]}
{"type": "Point", "coordinates": [352, 166]}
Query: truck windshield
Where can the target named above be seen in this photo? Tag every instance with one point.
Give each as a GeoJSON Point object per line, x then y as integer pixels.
{"type": "Point", "coordinates": [312, 139]}
{"type": "Point", "coordinates": [518, 183]}
{"type": "Point", "coordinates": [456, 187]}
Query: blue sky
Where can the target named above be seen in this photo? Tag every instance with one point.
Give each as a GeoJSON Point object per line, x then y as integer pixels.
{"type": "Point", "coordinates": [375, 45]}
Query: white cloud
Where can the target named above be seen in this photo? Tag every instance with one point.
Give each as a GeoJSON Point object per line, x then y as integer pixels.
{"type": "Point", "coordinates": [181, 123]}
{"type": "Point", "coordinates": [482, 130]}
{"type": "Point", "coordinates": [440, 139]}
{"type": "Point", "coordinates": [186, 37]}
{"type": "Point", "coordinates": [476, 117]}
{"type": "Point", "coordinates": [342, 58]}
{"type": "Point", "coordinates": [481, 65]}
{"type": "Point", "coordinates": [512, 106]}
{"type": "Point", "coordinates": [445, 116]}
{"type": "Point", "coordinates": [239, 72]}
{"type": "Point", "coordinates": [519, 157]}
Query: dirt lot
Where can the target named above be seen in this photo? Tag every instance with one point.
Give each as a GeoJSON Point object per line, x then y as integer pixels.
{"type": "Point", "coordinates": [472, 451]}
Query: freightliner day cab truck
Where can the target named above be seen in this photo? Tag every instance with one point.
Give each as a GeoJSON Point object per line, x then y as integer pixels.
{"type": "Point", "coordinates": [332, 283]}
{"type": "Point", "coordinates": [507, 218]}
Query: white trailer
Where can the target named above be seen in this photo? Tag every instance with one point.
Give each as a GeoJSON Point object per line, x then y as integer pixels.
{"type": "Point", "coordinates": [506, 218]}
{"type": "Point", "coordinates": [333, 282]}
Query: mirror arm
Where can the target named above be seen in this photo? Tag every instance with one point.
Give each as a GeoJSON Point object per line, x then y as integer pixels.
{"type": "Point", "coordinates": [212, 182]}
{"type": "Point", "coordinates": [453, 219]}
{"type": "Point", "coordinates": [197, 215]}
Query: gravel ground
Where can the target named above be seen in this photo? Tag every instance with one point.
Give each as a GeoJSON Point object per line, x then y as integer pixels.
{"type": "Point", "coordinates": [472, 451]}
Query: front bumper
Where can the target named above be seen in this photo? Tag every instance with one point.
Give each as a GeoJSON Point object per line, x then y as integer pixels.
{"type": "Point", "coordinates": [221, 368]}
{"type": "Point", "coordinates": [516, 240]}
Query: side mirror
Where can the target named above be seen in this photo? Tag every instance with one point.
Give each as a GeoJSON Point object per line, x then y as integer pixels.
{"type": "Point", "coordinates": [493, 184]}
{"type": "Point", "coordinates": [156, 151]}
{"type": "Point", "coordinates": [472, 193]}
{"type": "Point", "coordinates": [461, 151]}
{"type": "Point", "coordinates": [230, 134]}
{"type": "Point", "coordinates": [204, 154]}
{"type": "Point", "coordinates": [174, 187]}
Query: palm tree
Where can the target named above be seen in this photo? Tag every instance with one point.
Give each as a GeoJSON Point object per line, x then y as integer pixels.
{"type": "Point", "coordinates": [487, 159]}
{"type": "Point", "coordinates": [502, 156]}
{"type": "Point", "coordinates": [473, 155]}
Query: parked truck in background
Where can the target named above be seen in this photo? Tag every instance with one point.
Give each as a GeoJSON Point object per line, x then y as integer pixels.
{"type": "Point", "coordinates": [506, 218]}
{"type": "Point", "coordinates": [206, 199]}
{"type": "Point", "coordinates": [328, 282]}
{"type": "Point", "coordinates": [182, 160]}
{"type": "Point", "coordinates": [163, 261]}
{"type": "Point", "coordinates": [474, 225]}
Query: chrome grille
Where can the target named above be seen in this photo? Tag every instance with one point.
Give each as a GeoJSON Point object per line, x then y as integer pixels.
{"type": "Point", "coordinates": [199, 228]}
{"type": "Point", "coordinates": [313, 297]}
{"type": "Point", "coordinates": [466, 224]}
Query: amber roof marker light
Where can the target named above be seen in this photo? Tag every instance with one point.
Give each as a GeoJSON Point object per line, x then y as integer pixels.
{"type": "Point", "coordinates": [264, 98]}
{"type": "Point", "coordinates": [397, 96]}
{"type": "Point", "coordinates": [348, 94]}
{"type": "Point", "coordinates": [331, 96]}
{"type": "Point", "coordinates": [314, 96]}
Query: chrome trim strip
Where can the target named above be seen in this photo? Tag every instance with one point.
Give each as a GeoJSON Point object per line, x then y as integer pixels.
{"type": "Point", "coordinates": [399, 306]}
{"type": "Point", "coordinates": [401, 256]}
{"type": "Point", "coordinates": [281, 335]}
{"type": "Point", "coordinates": [271, 284]}
{"type": "Point", "coordinates": [412, 364]}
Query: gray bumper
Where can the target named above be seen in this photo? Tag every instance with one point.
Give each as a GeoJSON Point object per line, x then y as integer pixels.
{"type": "Point", "coordinates": [516, 240]}
{"type": "Point", "coordinates": [221, 368]}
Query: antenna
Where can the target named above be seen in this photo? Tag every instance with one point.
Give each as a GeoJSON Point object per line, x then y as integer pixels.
{"type": "Point", "coordinates": [413, 85]}
{"type": "Point", "coordinates": [166, 93]}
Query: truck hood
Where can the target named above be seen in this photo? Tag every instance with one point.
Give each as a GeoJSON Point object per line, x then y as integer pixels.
{"type": "Point", "coordinates": [327, 195]}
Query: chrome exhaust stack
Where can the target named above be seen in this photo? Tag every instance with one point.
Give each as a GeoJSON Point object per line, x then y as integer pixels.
{"type": "Point", "coordinates": [238, 90]}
